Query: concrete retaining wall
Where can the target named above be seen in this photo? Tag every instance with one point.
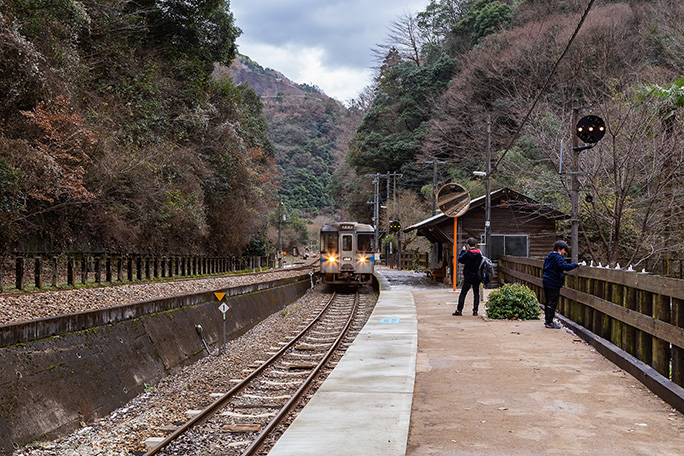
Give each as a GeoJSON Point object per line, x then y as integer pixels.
{"type": "Point", "coordinates": [52, 384]}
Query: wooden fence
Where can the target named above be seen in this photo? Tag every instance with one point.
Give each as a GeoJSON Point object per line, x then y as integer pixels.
{"type": "Point", "coordinates": [640, 314]}
{"type": "Point", "coordinates": [409, 260]}
{"type": "Point", "coordinates": [38, 271]}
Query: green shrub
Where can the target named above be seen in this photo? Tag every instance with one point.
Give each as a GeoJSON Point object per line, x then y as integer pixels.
{"type": "Point", "coordinates": [513, 301]}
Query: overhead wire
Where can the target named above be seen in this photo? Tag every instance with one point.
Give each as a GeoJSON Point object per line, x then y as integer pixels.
{"type": "Point", "coordinates": [545, 86]}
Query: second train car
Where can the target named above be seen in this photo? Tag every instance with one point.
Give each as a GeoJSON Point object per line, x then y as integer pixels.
{"type": "Point", "coordinates": [347, 255]}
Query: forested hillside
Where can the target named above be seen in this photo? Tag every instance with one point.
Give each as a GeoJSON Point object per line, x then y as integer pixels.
{"type": "Point", "coordinates": [444, 71]}
{"type": "Point", "coordinates": [310, 132]}
{"type": "Point", "coordinates": [114, 135]}
{"type": "Point", "coordinates": [121, 129]}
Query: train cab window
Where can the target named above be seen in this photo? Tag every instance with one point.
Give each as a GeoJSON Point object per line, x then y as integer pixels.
{"type": "Point", "coordinates": [329, 242]}
{"type": "Point", "coordinates": [364, 242]}
{"type": "Point", "coordinates": [347, 243]}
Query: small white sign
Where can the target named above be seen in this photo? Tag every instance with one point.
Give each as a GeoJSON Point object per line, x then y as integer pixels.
{"type": "Point", "coordinates": [224, 307]}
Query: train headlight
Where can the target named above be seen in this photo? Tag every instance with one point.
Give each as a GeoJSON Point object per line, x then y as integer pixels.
{"type": "Point", "coordinates": [331, 259]}
{"type": "Point", "coordinates": [363, 259]}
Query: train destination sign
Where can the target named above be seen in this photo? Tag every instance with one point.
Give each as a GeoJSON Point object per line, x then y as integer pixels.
{"type": "Point", "coordinates": [453, 200]}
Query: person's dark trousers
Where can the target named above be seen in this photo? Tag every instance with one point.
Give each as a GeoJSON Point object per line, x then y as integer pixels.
{"type": "Point", "coordinates": [464, 291]}
{"type": "Point", "coordinates": [552, 295]}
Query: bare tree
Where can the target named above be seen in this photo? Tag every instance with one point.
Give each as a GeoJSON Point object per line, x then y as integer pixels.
{"type": "Point", "coordinates": [404, 36]}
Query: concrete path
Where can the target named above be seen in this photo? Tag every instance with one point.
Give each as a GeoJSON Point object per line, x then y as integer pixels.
{"type": "Point", "coordinates": [516, 388]}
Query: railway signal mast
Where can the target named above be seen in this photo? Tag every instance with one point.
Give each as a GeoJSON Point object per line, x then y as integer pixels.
{"type": "Point", "coordinates": [590, 129]}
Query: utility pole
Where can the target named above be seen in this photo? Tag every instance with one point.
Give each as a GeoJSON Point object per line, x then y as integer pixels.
{"type": "Point", "coordinates": [387, 201]}
{"type": "Point", "coordinates": [574, 192]}
{"type": "Point", "coordinates": [280, 234]}
{"type": "Point", "coordinates": [376, 208]}
{"type": "Point", "coordinates": [488, 200]}
{"type": "Point", "coordinates": [434, 163]}
{"type": "Point", "coordinates": [487, 174]}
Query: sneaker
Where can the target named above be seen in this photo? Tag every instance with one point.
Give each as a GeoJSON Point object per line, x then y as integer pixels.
{"type": "Point", "coordinates": [551, 326]}
{"type": "Point", "coordinates": [474, 313]}
{"type": "Point", "coordinates": [457, 313]}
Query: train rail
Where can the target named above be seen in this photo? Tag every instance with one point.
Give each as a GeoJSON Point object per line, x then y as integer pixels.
{"type": "Point", "coordinates": [243, 420]}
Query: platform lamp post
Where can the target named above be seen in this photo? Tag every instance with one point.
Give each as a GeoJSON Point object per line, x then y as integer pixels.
{"type": "Point", "coordinates": [488, 190]}
{"type": "Point", "coordinates": [590, 129]}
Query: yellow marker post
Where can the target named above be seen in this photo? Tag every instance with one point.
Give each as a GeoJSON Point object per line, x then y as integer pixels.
{"type": "Point", "coordinates": [223, 308]}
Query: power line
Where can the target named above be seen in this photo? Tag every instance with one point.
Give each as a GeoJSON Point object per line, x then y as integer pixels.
{"type": "Point", "coordinates": [546, 84]}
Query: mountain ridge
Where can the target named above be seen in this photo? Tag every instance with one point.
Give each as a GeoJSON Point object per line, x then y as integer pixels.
{"type": "Point", "coordinates": [266, 82]}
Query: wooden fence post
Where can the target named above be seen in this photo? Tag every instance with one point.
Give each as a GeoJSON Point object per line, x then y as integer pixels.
{"type": "Point", "coordinates": [71, 271]}
{"type": "Point", "coordinates": [629, 332]}
{"type": "Point", "coordinates": [661, 348]}
{"type": "Point", "coordinates": [19, 276]}
{"type": "Point", "coordinates": [617, 297]}
{"type": "Point", "coordinates": [678, 352]}
{"type": "Point", "coordinates": [38, 272]}
{"type": "Point", "coordinates": [588, 310]}
{"type": "Point", "coordinates": [644, 342]}
{"type": "Point", "coordinates": [129, 269]}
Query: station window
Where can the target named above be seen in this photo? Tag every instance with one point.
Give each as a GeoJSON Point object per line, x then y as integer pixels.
{"type": "Point", "coordinates": [509, 244]}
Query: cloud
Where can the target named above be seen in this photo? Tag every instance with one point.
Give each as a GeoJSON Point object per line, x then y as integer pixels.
{"type": "Point", "coordinates": [327, 43]}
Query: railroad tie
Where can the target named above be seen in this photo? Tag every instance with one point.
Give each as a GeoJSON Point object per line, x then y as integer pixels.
{"type": "Point", "coordinates": [303, 366]}
{"type": "Point", "coordinates": [152, 442]}
{"type": "Point", "coordinates": [242, 415]}
{"type": "Point", "coordinates": [240, 428]}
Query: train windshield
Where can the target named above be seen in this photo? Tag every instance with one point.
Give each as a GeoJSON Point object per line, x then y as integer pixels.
{"type": "Point", "coordinates": [364, 242]}
{"type": "Point", "coordinates": [329, 242]}
{"type": "Point", "coordinates": [347, 243]}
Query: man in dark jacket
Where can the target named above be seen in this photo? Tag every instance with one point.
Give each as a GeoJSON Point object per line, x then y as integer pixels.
{"type": "Point", "coordinates": [552, 280]}
{"type": "Point", "coordinates": [470, 257]}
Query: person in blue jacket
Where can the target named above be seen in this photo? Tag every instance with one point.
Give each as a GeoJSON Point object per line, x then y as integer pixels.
{"type": "Point", "coordinates": [552, 280]}
{"type": "Point", "coordinates": [470, 257]}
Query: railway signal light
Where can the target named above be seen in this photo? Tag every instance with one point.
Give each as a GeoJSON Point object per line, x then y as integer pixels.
{"type": "Point", "coordinates": [395, 226]}
{"type": "Point", "coordinates": [590, 129]}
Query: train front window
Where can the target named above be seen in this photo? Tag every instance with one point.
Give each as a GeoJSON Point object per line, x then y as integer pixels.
{"type": "Point", "coordinates": [329, 243]}
{"type": "Point", "coordinates": [364, 242]}
{"type": "Point", "coordinates": [347, 243]}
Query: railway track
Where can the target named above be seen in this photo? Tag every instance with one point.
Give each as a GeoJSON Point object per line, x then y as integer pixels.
{"type": "Point", "coordinates": [247, 419]}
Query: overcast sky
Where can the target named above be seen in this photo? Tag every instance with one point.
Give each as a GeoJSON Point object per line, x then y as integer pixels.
{"type": "Point", "coordinates": [326, 43]}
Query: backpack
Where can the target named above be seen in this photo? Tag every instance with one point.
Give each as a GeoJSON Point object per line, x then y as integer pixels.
{"type": "Point", "coordinates": [486, 270]}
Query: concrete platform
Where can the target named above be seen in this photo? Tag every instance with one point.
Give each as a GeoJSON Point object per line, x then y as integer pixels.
{"type": "Point", "coordinates": [364, 406]}
{"type": "Point", "coordinates": [420, 382]}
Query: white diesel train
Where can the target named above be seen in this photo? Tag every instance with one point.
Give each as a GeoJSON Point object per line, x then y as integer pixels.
{"type": "Point", "coordinates": [347, 255]}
